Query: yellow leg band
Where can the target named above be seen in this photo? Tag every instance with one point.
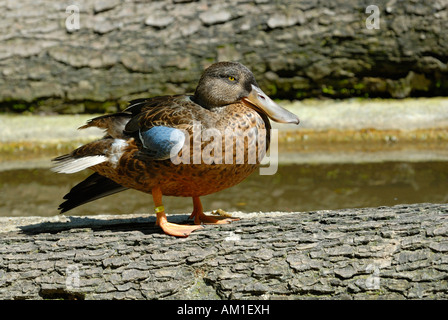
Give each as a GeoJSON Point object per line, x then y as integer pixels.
{"type": "Point", "coordinates": [159, 209]}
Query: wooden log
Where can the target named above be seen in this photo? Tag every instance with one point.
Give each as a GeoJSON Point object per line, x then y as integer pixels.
{"type": "Point", "coordinates": [397, 252]}
{"type": "Point", "coordinates": [297, 49]}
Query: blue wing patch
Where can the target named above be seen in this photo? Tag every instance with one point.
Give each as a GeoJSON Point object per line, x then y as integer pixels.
{"type": "Point", "coordinates": [160, 142]}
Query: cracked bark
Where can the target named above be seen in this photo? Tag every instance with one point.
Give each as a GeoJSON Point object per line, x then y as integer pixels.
{"type": "Point", "coordinates": [395, 252]}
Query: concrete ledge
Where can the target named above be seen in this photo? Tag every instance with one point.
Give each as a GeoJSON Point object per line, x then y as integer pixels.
{"type": "Point", "coordinates": [395, 252]}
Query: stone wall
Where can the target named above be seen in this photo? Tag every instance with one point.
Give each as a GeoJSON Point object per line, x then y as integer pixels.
{"type": "Point", "coordinates": [395, 252]}
{"type": "Point", "coordinates": [297, 49]}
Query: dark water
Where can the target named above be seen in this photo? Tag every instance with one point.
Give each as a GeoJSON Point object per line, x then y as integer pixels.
{"type": "Point", "coordinates": [298, 187]}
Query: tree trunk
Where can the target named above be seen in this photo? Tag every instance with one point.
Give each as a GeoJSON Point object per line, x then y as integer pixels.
{"type": "Point", "coordinates": [395, 252]}
{"type": "Point", "coordinates": [123, 50]}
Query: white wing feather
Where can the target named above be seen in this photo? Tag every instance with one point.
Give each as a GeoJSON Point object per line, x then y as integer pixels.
{"type": "Point", "coordinates": [71, 165]}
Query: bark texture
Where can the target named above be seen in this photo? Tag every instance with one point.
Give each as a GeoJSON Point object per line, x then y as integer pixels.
{"type": "Point", "coordinates": [395, 252]}
{"type": "Point", "coordinates": [297, 49]}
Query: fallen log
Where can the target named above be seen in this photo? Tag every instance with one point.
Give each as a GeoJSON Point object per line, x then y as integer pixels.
{"type": "Point", "coordinates": [395, 252]}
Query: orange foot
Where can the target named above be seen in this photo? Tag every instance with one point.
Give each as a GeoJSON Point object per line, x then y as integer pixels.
{"type": "Point", "coordinates": [174, 229]}
{"type": "Point", "coordinates": [201, 218]}
{"type": "Point", "coordinates": [169, 228]}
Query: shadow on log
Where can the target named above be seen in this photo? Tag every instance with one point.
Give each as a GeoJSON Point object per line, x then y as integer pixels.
{"type": "Point", "coordinates": [395, 252]}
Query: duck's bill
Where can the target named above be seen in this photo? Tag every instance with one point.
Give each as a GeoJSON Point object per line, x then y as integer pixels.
{"type": "Point", "coordinates": [259, 101]}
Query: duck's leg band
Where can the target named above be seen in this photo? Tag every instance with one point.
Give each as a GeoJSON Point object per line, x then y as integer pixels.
{"type": "Point", "coordinates": [159, 209]}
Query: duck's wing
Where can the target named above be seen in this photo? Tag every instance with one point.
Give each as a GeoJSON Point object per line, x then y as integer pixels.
{"type": "Point", "coordinates": [162, 124]}
{"type": "Point", "coordinates": [156, 124]}
{"type": "Point", "coordinates": [152, 108]}
{"type": "Point", "coordinates": [177, 111]}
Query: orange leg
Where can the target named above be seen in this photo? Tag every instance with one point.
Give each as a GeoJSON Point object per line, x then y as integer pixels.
{"type": "Point", "coordinates": [200, 217]}
{"type": "Point", "coordinates": [169, 228]}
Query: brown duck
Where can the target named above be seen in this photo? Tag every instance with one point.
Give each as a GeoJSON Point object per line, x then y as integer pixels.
{"type": "Point", "coordinates": [179, 145]}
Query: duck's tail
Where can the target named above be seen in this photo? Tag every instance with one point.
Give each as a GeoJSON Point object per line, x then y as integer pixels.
{"type": "Point", "coordinates": [98, 151]}
{"type": "Point", "coordinates": [108, 149]}
{"type": "Point", "coordinates": [84, 157]}
{"type": "Point", "coordinates": [95, 186]}
{"type": "Point", "coordinates": [92, 188]}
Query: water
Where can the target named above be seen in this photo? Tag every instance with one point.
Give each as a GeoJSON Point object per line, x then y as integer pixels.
{"type": "Point", "coordinates": [295, 187]}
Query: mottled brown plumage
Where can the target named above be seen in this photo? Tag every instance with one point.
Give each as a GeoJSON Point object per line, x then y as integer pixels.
{"type": "Point", "coordinates": [227, 98]}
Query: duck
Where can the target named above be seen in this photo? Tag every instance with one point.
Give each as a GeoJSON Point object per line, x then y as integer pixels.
{"type": "Point", "coordinates": [184, 145]}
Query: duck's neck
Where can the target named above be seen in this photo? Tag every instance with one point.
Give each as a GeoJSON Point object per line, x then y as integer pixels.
{"type": "Point", "coordinates": [204, 103]}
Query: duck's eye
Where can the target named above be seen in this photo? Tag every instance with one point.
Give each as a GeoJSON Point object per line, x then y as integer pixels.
{"type": "Point", "coordinates": [231, 78]}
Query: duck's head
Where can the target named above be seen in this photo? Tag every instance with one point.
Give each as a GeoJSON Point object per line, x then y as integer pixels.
{"type": "Point", "coordinates": [225, 83]}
